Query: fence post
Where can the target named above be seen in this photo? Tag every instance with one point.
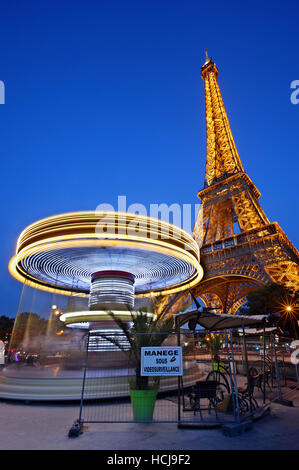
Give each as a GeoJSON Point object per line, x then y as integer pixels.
{"type": "Point", "coordinates": [232, 382]}
{"type": "Point", "coordinates": [179, 382]}
{"type": "Point", "coordinates": [84, 377]}
{"type": "Point", "coordinates": [276, 369]}
{"type": "Point", "coordinates": [235, 377]}
{"type": "Point", "coordinates": [264, 365]}
{"type": "Point", "coordinates": [245, 353]}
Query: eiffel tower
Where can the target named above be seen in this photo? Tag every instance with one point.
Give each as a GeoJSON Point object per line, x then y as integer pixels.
{"type": "Point", "coordinates": [240, 249]}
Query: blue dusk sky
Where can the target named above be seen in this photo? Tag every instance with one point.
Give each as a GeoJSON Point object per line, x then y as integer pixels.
{"type": "Point", "coordinates": [105, 98]}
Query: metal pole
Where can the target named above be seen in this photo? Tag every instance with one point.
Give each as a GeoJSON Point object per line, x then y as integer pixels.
{"type": "Point", "coordinates": [241, 352]}
{"type": "Point", "coordinates": [276, 369]}
{"type": "Point", "coordinates": [245, 354]}
{"type": "Point", "coordinates": [271, 348]}
{"type": "Point", "coordinates": [84, 377]}
{"type": "Point", "coordinates": [235, 404]}
{"type": "Point", "coordinates": [235, 376]}
{"type": "Point", "coordinates": [264, 376]}
{"type": "Point", "coordinates": [179, 382]}
{"type": "Point", "coordinates": [284, 368]}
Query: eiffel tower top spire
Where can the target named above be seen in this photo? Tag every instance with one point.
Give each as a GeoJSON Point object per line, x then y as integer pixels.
{"type": "Point", "coordinates": [207, 57]}
{"type": "Point", "coordinates": [222, 156]}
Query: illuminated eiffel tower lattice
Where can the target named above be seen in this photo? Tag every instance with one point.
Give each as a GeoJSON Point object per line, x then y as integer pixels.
{"type": "Point", "coordinates": [240, 249]}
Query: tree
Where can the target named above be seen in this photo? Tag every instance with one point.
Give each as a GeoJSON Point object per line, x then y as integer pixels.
{"type": "Point", "coordinates": [142, 331]}
{"type": "Point", "coordinates": [30, 324]}
{"type": "Point", "coordinates": [279, 303]}
{"type": "Point", "coordinates": [6, 326]}
{"type": "Point", "coordinates": [214, 342]}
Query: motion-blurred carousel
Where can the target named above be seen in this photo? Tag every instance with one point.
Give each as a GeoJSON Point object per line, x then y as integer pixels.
{"type": "Point", "coordinates": [75, 269]}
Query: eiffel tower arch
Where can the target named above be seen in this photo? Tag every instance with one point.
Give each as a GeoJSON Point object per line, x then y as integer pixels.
{"type": "Point", "coordinates": [240, 249]}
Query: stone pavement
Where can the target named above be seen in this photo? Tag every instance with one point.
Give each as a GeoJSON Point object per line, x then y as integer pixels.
{"type": "Point", "coordinates": [44, 427]}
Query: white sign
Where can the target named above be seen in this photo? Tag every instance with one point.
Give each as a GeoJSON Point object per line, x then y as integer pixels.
{"type": "Point", "coordinates": [161, 360]}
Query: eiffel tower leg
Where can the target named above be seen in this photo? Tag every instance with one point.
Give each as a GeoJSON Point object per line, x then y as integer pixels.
{"type": "Point", "coordinates": [212, 301]}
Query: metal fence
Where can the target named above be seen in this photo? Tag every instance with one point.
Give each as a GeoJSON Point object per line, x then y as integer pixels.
{"type": "Point", "coordinates": [247, 376]}
{"type": "Point", "coordinates": [108, 374]}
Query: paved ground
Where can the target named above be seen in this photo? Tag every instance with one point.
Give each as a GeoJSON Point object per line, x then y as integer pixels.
{"type": "Point", "coordinates": [46, 426]}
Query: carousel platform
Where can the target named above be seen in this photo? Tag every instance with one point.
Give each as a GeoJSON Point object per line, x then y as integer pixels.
{"type": "Point", "coordinates": [29, 383]}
